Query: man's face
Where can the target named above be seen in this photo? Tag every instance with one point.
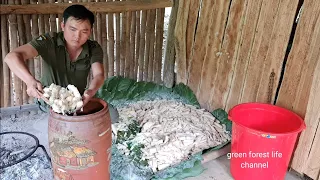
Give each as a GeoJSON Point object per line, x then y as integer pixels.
{"type": "Point", "coordinates": [76, 32]}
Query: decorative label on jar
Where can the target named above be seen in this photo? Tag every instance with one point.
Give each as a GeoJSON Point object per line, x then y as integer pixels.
{"type": "Point", "coordinates": [71, 153]}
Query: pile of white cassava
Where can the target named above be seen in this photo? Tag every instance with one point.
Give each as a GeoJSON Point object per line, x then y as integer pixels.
{"type": "Point", "coordinates": [63, 100]}
{"type": "Point", "coordinates": [170, 131]}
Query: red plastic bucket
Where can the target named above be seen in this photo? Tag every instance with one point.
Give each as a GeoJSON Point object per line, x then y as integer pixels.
{"type": "Point", "coordinates": [263, 138]}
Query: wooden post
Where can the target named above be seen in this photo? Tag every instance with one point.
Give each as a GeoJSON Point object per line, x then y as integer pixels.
{"type": "Point", "coordinates": [180, 41]}
{"type": "Point", "coordinates": [118, 30]}
{"type": "Point", "coordinates": [22, 41]}
{"type": "Point", "coordinates": [128, 60]}
{"type": "Point", "coordinates": [169, 59]}
{"type": "Point", "coordinates": [6, 71]}
{"type": "Point", "coordinates": [147, 45]}
{"type": "Point", "coordinates": [132, 45]}
{"type": "Point", "coordinates": [159, 44]}
{"type": "Point", "coordinates": [151, 45]}
{"type": "Point", "coordinates": [111, 44]}
{"type": "Point", "coordinates": [142, 44]}
{"type": "Point", "coordinates": [136, 60]}
{"type": "Point", "coordinates": [14, 44]}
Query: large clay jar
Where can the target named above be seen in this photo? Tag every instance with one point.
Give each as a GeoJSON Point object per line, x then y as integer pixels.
{"type": "Point", "coordinates": [80, 145]}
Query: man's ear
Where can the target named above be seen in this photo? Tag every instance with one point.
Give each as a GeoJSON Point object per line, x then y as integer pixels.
{"type": "Point", "coordinates": [62, 25]}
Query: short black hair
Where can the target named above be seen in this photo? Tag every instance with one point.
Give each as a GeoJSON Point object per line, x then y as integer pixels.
{"type": "Point", "coordinates": [79, 12]}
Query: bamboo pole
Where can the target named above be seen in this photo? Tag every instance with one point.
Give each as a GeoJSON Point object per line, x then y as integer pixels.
{"type": "Point", "coordinates": [14, 44]}
{"type": "Point", "coordinates": [118, 30]}
{"type": "Point", "coordinates": [136, 60]}
{"type": "Point", "coordinates": [128, 54]}
{"type": "Point", "coordinates": [26, 19]}
{"type": "Point", "coordinates": [142, 44]}
{"type": "Point", "coordinates": [159, 44]}
{"type": "Point", "coordinates": [6, 71]}
{"type": "Point", "coordinates": [100, 7]}
{"type": "Point", "coordinates": [151, 46]}
{"type": "Point", "coordinates": [111, 43]}
{"type": "Point", "coordinates": [132, 45]}
{"type": "Point", "coordinates": [147, 45]}
{"type": "Point", "coordinates": [41, 21]}
{"type": "Point", "coordinates": [22, 41]}
{"type": "Point", "coordinates": [99, 40]}
{"type": "Point", "coordinates": [123, 44]}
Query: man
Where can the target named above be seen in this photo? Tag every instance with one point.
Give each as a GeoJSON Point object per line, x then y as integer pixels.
{"type": "Point", "coordinates": [67, 56]}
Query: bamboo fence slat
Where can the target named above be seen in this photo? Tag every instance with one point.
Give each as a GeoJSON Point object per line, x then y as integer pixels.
{"type": "Point", "coordinates": [99, 27]}
{"type": "Point", "coordinates": [118, 30]}
{"type": "Point", "coordinates": [127, 42]}
{"type": "Point", "coordinates": [142, 44]}
{"type": "Point", "coordinates": [6, 71]}
{"type": "Point", "coordinates": [35, 33]}
{"type": "Point", "coordinates": [60, 17]}
{"type": "Point", "coordinates": [95, 28]}
{"type": "Point", "coordinates": [27, 20]}
{"type": "Point", "coordinates": [46, 19]}
{"type": "Point", "coordinates": [158, 45]}
{"type": "Point", "coordinates": [180, 43]}
{"type": "Point", "coordinates": [123, 44]}
{"type": "Point", "coordinates": [111, 43]}
{"type": "Point", "coordinates": [151, 45]}
{"type": "Point", "coordinates": [22, 41]}
{"type": "Point", "coordinates": [168, 79]}
{"type": "Point", "coordinates": [136, 60]}
{"type": "Point", "coordinates": [147, 45]}
{"type": "Point", "coordinates": [132, 45]}
{"type": "Point", "coordinates": [17, 100]}
{"type": "Point", "coordinates": [53, 21]}
{"type": "Point", "coordinates": [104, 43]}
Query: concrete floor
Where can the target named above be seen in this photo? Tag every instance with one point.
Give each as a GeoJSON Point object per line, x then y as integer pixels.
{"type": "Point", "coordinates": [217, 169]}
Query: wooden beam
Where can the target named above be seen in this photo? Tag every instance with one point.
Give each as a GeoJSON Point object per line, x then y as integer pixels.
{"type": "Point", "coordinates": [100, 7]}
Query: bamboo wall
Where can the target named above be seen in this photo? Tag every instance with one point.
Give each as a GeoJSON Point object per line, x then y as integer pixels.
{"type": "Point", "coordinates": [132, 39]}
{"type": "Point", "coordinates": [236, 51]}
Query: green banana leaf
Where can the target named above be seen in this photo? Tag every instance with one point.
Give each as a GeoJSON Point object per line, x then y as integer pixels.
{"type": "Point", "coordinates": [119, 91]}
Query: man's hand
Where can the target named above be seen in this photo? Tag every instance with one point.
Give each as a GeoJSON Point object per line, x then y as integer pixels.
{"type": "Point", "coordinates": [34, 89]}
{"type": "Point", "coordinates": [87, 95]}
